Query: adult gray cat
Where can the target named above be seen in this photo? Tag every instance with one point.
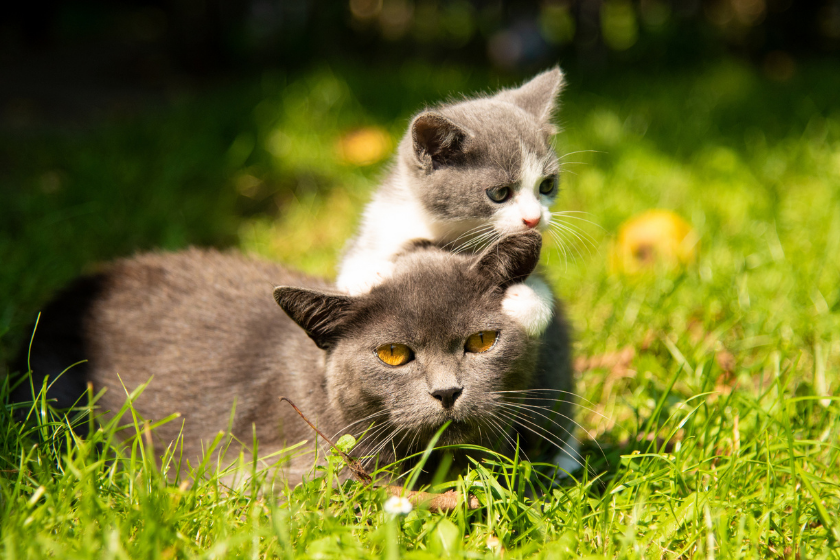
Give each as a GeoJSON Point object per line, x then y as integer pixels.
{"type": "Point", "coordinates": [465, 174]}
{"type": "Point", "coordinates": [435, 342]}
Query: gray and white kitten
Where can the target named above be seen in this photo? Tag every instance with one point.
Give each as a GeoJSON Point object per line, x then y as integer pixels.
{"type": "Point", "coordinates": [202, 326]}
{"type": "Point", "coordinates": [466, 173]}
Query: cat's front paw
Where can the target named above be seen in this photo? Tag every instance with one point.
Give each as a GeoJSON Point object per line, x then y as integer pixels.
{"type": "Point", "coordinates": [360, 280]}
{"type": "Point", "coordinates": [531, 304]}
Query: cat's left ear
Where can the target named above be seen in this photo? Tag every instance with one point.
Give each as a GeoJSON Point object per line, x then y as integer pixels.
{"type": "Point", "coordinates": [436, 140]}
{"type": "Point", "coordinates": [538, 96]}
{"type": "Point", "coordinates": [511, 259]}
{"type": "Point", "coordinates": [320, 314]}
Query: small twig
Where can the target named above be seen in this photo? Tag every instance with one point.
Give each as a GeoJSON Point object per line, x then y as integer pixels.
{"type": "Point", "coordinates": [439, 503]}
{"type": "Point", "coordinates": [358, 471]}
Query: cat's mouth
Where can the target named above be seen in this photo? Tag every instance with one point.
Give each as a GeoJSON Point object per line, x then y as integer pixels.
{"type": "Point", "coordinates": [456, 432]}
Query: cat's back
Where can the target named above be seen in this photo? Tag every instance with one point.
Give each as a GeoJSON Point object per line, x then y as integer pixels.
{"type": "Point", "coordinates": [197, 321]}
{"type": "Point", "coordinates": [186, 299]}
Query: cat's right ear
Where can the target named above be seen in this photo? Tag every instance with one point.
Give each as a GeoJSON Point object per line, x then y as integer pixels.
{"type": "Point", "coordinates": [538, 96]}
{"type": "Point", "coordinates": [321, 315]}
{"type": "Point", "coordinates": [511, 259]}
{"type": "Point", "coordinates": [435, 139]}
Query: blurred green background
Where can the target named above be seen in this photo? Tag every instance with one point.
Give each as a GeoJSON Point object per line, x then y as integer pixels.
{"type": "Point", "coordinates": [264, 126]}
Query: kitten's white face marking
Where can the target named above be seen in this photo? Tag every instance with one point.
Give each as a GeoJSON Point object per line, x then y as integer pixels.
{"type": "Point", "coordinates": [528, 204]}
{"type": "Point", "coordinates": [530, 304]}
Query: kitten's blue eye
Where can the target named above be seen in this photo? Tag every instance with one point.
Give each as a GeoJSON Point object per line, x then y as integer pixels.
{"type": "Point", "coordinates": [548, 185]}
{"type": "Point", "coordinates": [499, 194]}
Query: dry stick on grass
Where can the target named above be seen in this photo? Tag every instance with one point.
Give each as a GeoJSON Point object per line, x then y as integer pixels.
{"type": "Point", "coordinates": [358, 471]}
{"type": "Point", "coordinates": [447, 501]}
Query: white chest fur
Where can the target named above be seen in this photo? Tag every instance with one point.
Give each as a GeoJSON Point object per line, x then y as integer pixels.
{"type": "Point", "coordinates": [387, 225]}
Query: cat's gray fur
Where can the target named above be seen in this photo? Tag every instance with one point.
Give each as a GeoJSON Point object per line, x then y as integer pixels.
{"type": "Point", "coordinates": [203, 325]}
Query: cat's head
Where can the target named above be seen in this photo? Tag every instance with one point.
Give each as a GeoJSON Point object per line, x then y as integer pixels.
{"type": "Point", "coordinates": [434, 343]}
{"type": "Point", "coordinates": [487, 164]}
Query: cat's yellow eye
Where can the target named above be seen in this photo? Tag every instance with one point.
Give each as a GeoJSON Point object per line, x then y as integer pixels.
{"type": "Point", "coordinates": [481, 341]}
{"type": "Point", "coordinates": [395, 354]}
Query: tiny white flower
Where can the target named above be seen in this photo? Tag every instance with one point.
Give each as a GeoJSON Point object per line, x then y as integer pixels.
{"type": "Point", "coordinates": [396, 505]}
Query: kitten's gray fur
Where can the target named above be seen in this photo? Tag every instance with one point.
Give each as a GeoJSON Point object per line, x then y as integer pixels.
{"type": "Point", "coordinates": [202, 324]}
{"type": "Point", "coordinates": [450, 156]}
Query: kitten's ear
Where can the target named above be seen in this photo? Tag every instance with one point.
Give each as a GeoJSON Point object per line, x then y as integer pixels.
{"type": "Point", "coordinates": [511, 259]}
{"type": "Point", "coordinates": [321, 315]}
{"type": "Point", "coordinates": [538, 96]}
{"type": "Point", "coordinates": [436, 139]}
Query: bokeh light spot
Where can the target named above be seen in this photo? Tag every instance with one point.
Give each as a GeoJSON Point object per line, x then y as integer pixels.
{"type": "Point", "coordinates": [653, 239]}
{"type": "Point", "coordinates": [364, 146]}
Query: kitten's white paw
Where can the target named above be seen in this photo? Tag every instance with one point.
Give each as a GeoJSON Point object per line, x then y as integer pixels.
{"type": "Point", "coordinates": [531, 304]}
{"type": "Point", "coordinates": [361, 279]}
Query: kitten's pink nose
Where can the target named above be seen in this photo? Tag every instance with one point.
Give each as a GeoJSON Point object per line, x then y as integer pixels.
{"type": "Point", "coordinates": [532, 222]}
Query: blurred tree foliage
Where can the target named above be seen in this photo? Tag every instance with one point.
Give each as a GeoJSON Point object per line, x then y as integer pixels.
{"type": "Point", "coordinates": [202, 35]}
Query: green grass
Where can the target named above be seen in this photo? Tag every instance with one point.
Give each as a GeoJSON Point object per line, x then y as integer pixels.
{"type": "Point", "coordinates": [720, 437]}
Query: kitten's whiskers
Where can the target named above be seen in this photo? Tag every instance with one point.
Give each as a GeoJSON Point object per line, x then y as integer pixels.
{"type": "Point", "coordinates": [582, 152]}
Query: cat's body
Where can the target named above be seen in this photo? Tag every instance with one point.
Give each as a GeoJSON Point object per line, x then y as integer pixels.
{"type": "Point", "coordinates": [202, 325]}
{"type": "Point", "coordinates": [466, 173]}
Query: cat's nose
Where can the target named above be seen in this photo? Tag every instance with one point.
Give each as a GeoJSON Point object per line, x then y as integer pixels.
{"type": "Point", "coordinates": [447, 397]}
{"type": "Point", "coordinates": [532, 222]}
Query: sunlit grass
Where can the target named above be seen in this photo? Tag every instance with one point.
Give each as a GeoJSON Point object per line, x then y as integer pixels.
{"type": "Point", "coordinates": [711, 384]}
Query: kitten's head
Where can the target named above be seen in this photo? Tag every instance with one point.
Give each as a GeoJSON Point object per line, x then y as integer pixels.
{"type": "Point", "coordinates": [486, 164]}
{"type": "Point", "coordinates": [434, 343]}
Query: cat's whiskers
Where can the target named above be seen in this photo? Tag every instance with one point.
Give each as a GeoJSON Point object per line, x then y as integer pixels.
{"type": "Point", "coordinates": [371, 445]}
{"type": "Point", "coordinates": [572, 403]}
{"type": "Point", "coordinates": [560, 244]}
{"type": "Point", "coordinates": [477, 232]}
{"type": "Point", "coordinates": [485, 240]}
{"type": "Point", "coordinates": [561, 232]}
{"type": "Point", "coordinates": [562, 164]}
{"type": "Point", "coordinates": [480, 242]}
{"type": "Point", "coordinates": [515, 418]}
{"type": "Point", "coordinates": [571, 214]}
{"type": "Point", "coordinates": [544, 390]}
{"type": "Point", "coordinates": [545, 435]}
{"type": "Point", "coordinates": [533, 410]}
{"type": "Point", "coordinates": [411, 443]}
{"type": "Point", "coordinates": [583, 236]}
{"type": "Point", "coordinates": [481, 229]}
{"type": "Point", "coordinates": [496, 434]}
{"type": "Point", "coordinates": [581, 152]}
{"type": "Point", "coordinates": [373, 455]}
{"type": "Point", "coordinates": [370, 435]}
{"type": "Point", "coordinates": [564, 232]}
{"type": "Point", "coordinates": [504, 432]}
{"type": "Point", "coordinates": [348, 426]}
{"type": "Point", "coordinates": [388, 439]}
{"type": "Point", "coordinates": [370, 438]}
{"type": "Point", "coordinates": [406, 433]}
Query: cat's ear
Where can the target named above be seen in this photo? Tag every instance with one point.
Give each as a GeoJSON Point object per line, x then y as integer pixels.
{"type": "Point", "coordinates": [435, 139]}
{"type": "Point", "coordinates": [511, 259]}
{"type": "Point", "coordinates": [539, 95]}
{"type": "Point", "coordinates": [320, 314]}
